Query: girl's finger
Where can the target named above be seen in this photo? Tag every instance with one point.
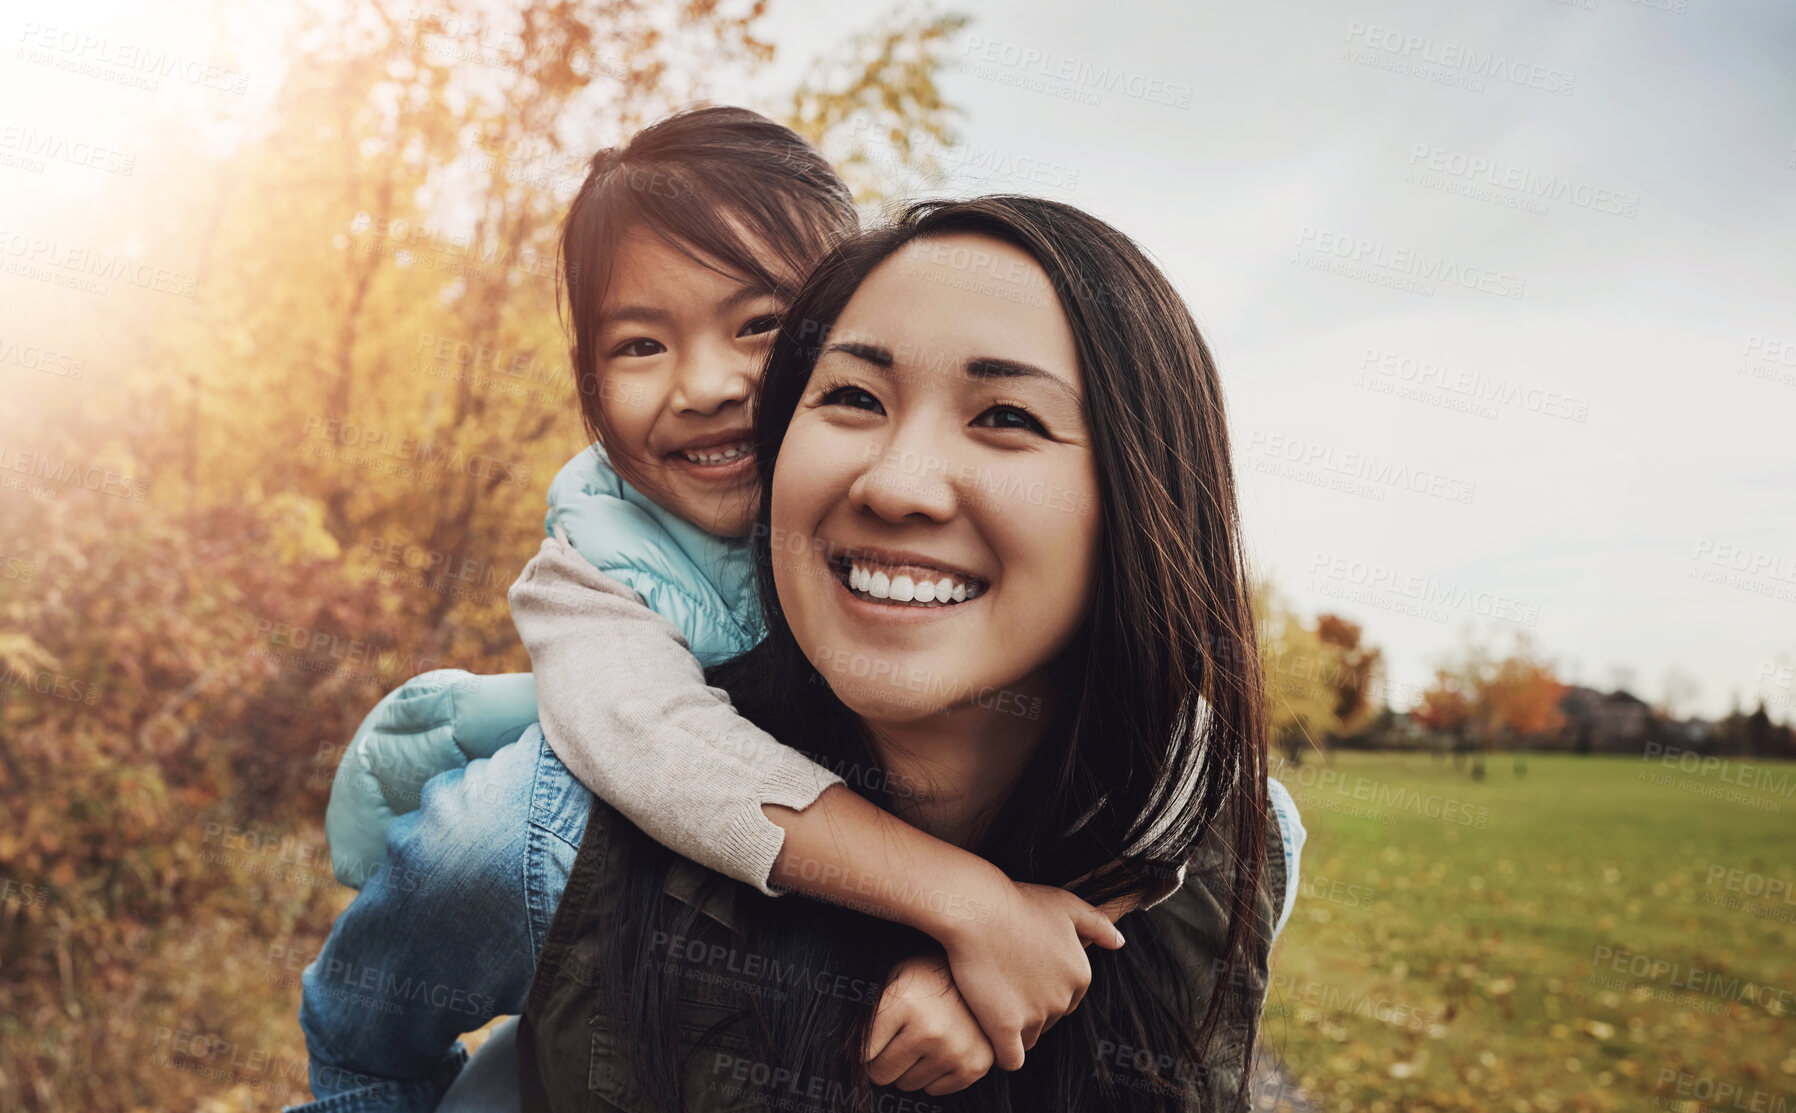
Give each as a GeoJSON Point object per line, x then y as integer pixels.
{"type": "Point", "coordinates": [898, 1056]}
{"type": "Point", "coordinates": [952, 1083]}
{"type": "Point", "coordinates": [1031, 1034]}
{"type": "Point", "coordinates": [887, 1023]}
{"type": "Point", "coordinates": [1008, 1051]}
{"type": "Point", "coordinates": [925, 1072]}
{"type": "Point", "coordinates": [1095, 927]}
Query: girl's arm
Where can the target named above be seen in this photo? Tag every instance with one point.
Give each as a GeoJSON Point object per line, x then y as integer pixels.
{"type": "Point", "coordinates": [625, 706]}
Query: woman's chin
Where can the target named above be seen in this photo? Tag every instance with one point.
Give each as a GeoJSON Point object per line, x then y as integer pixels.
{"type": "Point", "coordinates": [885, 699]}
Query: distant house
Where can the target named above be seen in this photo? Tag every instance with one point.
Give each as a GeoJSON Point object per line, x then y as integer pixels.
{"type": "Point", "coordinates": [1596, 722]}
{"type": "Point", "coordinates": [1691, 734]}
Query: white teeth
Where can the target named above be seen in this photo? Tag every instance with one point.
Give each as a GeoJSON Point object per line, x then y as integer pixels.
{"type": "Point", "coordinates": [869, 578]}
{"type": "Point", "coordinates": [718, 455]}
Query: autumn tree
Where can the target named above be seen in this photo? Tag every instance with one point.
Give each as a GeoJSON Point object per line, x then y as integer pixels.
{"type": "Point", "coordinates": [318, 463]}
{"type": "Point", "coordinates": [1483, 699]}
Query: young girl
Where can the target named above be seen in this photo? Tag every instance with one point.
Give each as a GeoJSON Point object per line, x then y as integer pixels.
{"type": "Point", "coordinates": [679, 254]}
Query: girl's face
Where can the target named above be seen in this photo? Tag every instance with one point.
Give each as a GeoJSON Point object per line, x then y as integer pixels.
{"type": "Point", "coordinates": [935, 508]}
{"type": "Point", "coordinates": [679, 345]}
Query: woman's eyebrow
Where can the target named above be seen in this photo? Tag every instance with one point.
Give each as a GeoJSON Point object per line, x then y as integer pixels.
{"type": "Point", "coordinates": [991, 367]}
{"type": "Point", "coordinates": [868, 353]}
{"type": "Point", "coordinates": [977, 367]}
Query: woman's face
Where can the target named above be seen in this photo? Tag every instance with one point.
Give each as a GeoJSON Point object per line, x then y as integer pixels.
{"type": "Point", "coordinates": [935, 510]}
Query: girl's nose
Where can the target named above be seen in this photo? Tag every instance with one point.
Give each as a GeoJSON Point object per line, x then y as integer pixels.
{"type": "Point", "coordinates": [712, 378]}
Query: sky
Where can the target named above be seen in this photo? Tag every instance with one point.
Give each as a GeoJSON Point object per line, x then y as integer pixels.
{"type": "Point", "coordinates": [1503, 294]}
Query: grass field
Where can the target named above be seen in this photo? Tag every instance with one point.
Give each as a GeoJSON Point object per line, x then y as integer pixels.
{"type": "Point", "coordinates": [1599, 933]}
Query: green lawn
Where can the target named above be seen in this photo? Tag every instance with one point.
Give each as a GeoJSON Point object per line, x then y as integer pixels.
{"type": "Point", "coordinates": [1600, 933]}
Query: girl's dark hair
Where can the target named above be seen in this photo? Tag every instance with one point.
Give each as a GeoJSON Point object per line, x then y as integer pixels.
{"type": "Point", "coordinates": [726, 186]}
{"type": "Point", "coordinates": [1160, 734]}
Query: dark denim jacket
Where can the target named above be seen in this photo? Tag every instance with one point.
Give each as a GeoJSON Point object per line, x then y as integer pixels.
{"type": "Point", "coordinates": [572, 1051]}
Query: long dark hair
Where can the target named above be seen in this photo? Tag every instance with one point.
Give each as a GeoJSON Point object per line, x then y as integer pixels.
{"type": "Point", "coordinates": [1160, 736]}
{"type": "Point", "coordinates": [726, 186]}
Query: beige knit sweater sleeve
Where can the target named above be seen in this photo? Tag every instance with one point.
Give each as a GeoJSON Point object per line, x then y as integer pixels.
{"type": "Point", "coordinates": [625, 706]}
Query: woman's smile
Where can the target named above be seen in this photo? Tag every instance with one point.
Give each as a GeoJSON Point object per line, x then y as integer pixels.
{"type": "Point", "coordinates": [894, 584]}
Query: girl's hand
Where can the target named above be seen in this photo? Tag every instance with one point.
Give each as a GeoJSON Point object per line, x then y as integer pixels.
{"type": "Point", "coordinates": [1022, 967]}
{"type": "Point", "coordinates": [924, 1037]}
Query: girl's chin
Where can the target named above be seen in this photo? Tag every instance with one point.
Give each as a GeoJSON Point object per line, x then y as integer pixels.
{"type": "Point", "coordinates": [726, 515]}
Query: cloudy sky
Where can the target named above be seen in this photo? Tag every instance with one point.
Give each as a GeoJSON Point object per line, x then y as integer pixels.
{"type": "Point", "coordinates": [1504, 293]}
{"type": "Point", "coordinates": [1505, 296]}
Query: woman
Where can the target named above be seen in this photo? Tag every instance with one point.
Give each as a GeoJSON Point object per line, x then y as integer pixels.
{"type": "Point", "coordinates": [1005, 401]}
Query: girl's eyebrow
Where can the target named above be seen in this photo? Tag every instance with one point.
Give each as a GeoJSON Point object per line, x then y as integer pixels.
{"type": "Point", "coordinates": [638, 314]}
{"type": "Point", "coordinates": [977, 367]}
{"type": "Point", "coordinates": [745, 293]}
{"type": "Point", "coordinates": [652, 315]}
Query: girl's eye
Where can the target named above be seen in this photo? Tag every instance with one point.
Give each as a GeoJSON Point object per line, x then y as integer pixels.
{"type": "Point", "coordinates": [638, 348]}
{"type": "Point", "coordinates": [853, 397]}
{"type": "Point", "coordinates": [766, 322]}
{"type": "Point", "coordinates": [1010, 417]}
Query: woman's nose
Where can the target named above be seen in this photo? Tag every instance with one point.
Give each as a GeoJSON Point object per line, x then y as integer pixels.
{"type": "Point", "coordinates": [908, 474]}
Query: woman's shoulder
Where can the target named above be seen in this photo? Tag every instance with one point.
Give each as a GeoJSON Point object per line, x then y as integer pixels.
{"type": "Point", "coordinates": [1194, 920]}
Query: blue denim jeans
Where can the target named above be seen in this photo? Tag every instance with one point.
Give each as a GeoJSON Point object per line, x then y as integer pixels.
{"type": "Point", "coordinates": [446, 935]}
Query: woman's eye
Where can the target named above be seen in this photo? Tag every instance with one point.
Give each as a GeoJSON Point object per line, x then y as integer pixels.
{"type": "Point", "coordinates": [853, 397]}
{"type": "Point", "coordinates": [766, 322]}
{"type": "Point", "coordinates": [1009, 417]}
{"type": "Point", "coordinates": [638, 348]}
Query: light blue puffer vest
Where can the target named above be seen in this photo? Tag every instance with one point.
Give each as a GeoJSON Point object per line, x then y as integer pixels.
{"type": "Point", "coordinates": [442, 720]}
